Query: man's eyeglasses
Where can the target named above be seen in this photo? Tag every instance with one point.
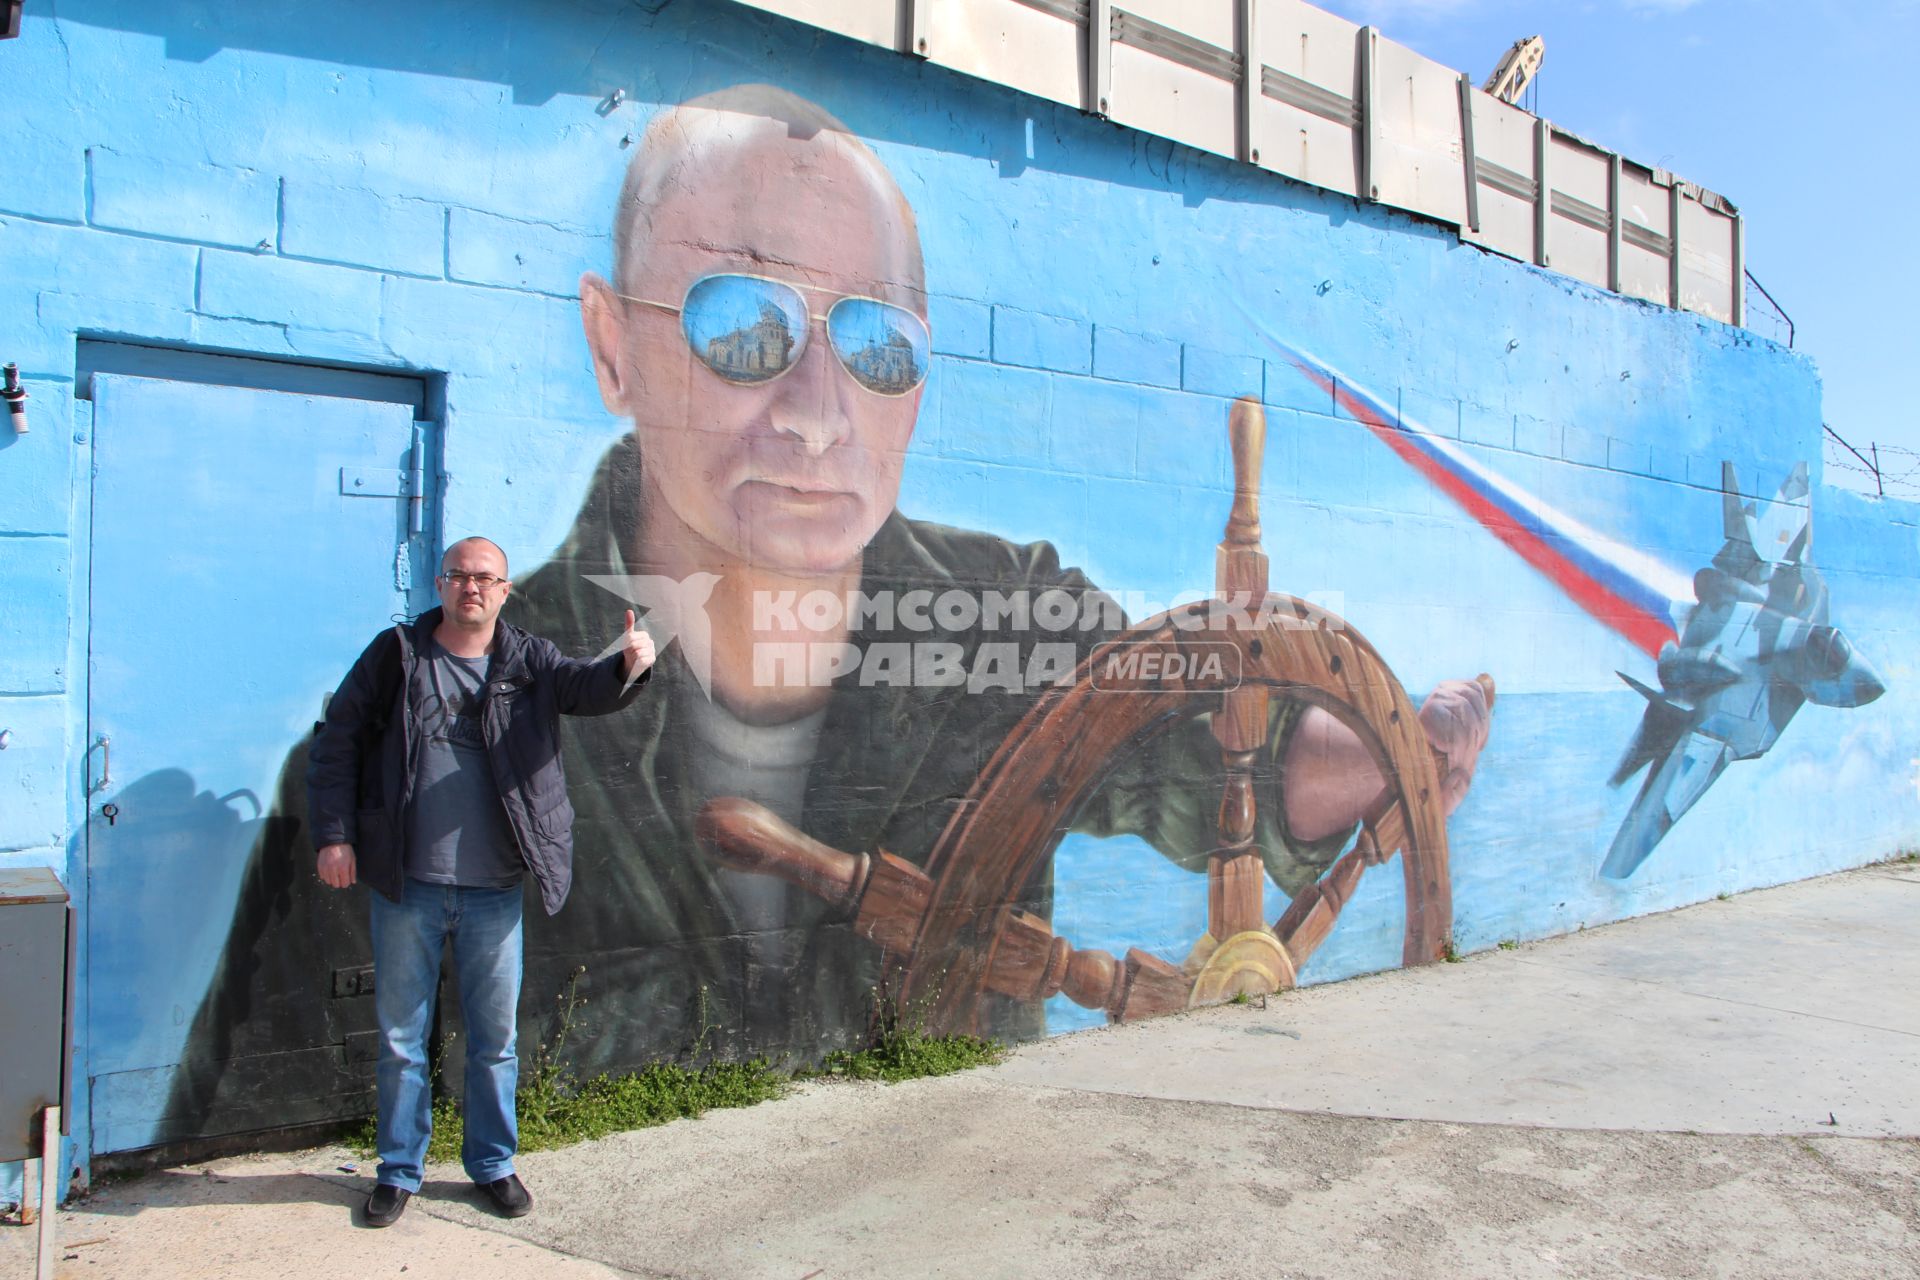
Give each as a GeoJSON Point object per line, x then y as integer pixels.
{"type": "Point", "coordinates": [485, 581]}
{"type": "Point", "coordinates": [749, 330]}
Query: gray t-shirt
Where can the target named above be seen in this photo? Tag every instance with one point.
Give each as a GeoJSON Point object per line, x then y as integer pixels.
{"type": "Point", "coordinates": [458, 832]}
{"type": "Point", "coordinates": [767, 764]}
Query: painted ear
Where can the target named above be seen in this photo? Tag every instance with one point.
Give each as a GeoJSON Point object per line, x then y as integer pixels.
{"type": "Point", "coordinates": [604, 320]}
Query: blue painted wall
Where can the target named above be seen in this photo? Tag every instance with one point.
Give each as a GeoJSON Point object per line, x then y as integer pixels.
{"type": "Point", "coordinates": [418, 188]}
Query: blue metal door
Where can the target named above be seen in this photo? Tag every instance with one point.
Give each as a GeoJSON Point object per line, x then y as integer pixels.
{"type": "Point", "coordinates": [246, 546]}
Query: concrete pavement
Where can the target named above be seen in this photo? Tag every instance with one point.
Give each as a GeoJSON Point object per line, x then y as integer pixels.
{"type": "Point", "coordinates": [1794, 1010]}
{"type": "Point", "coordinates": [1727, 1090]}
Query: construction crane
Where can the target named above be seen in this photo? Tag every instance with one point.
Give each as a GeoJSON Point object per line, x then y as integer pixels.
{"type": "Point", "coordinates": [1518, 66]}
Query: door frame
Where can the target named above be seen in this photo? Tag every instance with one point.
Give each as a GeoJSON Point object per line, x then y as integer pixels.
{"type": "Point", "coordinates": [424, 393]}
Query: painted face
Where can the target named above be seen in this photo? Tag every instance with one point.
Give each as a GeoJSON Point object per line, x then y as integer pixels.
{"type": "Point", "coordinates": [473, 584]}
{"type": "Point", "coordinates": [774, 448]}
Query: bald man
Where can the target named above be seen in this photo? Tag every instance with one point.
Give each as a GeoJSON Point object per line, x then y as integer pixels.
{"type": "Point", "coordinates": [435, 779]}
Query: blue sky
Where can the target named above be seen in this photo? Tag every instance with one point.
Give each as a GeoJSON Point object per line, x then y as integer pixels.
{"type": "Point", "coordinates": [1801, 114]}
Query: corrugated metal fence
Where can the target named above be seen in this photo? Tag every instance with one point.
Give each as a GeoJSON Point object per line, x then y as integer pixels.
{"type": "Point", "coordinates": [1296, 90]}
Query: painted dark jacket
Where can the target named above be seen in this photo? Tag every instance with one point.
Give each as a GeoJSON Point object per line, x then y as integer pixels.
{"type": "Point", "coordinates": [649, 950]}
{"type": "Point", "coordinates": [667, 965]}
{"type": "Point", "coordinates": [361, 768]}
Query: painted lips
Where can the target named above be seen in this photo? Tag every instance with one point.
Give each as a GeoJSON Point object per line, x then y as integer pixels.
{"type": "Point", "coordinates": [795, 495]}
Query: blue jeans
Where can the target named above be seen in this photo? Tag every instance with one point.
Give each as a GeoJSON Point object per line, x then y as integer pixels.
{"type": "Point", "coordinates": [407, 940]}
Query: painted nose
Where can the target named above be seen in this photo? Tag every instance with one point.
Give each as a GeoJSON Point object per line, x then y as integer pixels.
{"type": "Point", "coordinates": [811, 401]}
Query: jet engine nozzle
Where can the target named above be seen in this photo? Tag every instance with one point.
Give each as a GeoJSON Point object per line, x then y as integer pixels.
{"type": "Point", "coordinates": [1694, 673]}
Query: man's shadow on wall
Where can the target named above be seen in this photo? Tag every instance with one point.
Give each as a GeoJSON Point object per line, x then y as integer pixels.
{"type": "Point", "coordinates": [221, 871]}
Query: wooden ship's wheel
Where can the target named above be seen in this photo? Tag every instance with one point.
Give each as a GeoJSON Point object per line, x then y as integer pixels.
{"type": "Point", "coordinates": [949, 932]}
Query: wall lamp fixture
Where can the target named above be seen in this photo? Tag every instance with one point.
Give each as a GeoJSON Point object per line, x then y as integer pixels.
{"type": "Point", "coordinates": [16, 397]}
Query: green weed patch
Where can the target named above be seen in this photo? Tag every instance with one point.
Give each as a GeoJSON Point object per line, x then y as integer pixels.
{"type": "Point", "coordinates": [906, 1054]}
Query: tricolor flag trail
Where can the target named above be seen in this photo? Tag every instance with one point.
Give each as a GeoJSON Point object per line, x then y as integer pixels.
{"type": "Point", "coordinates": [1625, 589]}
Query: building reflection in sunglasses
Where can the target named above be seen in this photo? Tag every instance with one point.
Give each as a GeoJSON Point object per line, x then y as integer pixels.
{"type": "Point", "coordinates": [751, 329]}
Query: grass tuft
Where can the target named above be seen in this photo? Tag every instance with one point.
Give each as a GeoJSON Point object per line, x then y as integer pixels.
{"type": "Point", "coordinates": [897, 1049]}
{"type": "Point", "coordinates": [555, 1114]}
{"type": "Point", "coordinates": [909, 1055]}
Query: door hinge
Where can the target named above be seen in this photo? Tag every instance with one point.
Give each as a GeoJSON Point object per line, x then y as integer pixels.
{"type": "Point", "coordinates": [375, 482]}
{"type": "Point", "coordinates": [417, 482]}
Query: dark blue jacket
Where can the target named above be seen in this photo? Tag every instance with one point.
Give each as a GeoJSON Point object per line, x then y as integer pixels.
{"type": "Point", "coordinates": [360, 770]}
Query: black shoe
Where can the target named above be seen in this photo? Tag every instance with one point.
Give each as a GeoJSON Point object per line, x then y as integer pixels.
{"type": "Point", "coordinates": [509, 1196]}
{"type": "Point", "coordinates": [386, 1204]}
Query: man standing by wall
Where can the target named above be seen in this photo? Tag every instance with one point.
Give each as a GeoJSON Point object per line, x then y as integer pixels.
{"type": "Point", "coordinates": [437, 780]}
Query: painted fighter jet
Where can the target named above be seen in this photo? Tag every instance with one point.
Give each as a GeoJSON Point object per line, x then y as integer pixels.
{"type": "Point", "coordinates": [1754, 647]}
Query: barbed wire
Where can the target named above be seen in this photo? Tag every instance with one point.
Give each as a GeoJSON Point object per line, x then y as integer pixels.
{"type": "Point", "coordinates": [1764, 316]}
{"type": "Point", "coordinates": [1887, 469]}
{"type": "Point", "coordinates": [1883, 469]}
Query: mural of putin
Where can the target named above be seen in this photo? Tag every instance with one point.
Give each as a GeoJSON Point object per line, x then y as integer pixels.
{"type": "Point", "coordinates": [764, 328]}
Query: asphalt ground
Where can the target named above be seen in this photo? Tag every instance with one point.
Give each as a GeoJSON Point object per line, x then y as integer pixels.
{"type": "Point", "coordinates": [1729, 1090]}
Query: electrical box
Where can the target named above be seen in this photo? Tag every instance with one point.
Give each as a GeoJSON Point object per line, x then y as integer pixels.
{"type": "Point", "coordinates": [36, 1005]}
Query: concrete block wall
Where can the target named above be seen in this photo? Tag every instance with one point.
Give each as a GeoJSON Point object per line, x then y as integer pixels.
{"type": "Point", "coordinates": [418, 188]}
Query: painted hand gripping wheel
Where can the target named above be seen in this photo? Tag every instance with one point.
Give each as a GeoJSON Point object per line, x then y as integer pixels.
{"type": "Point", "coordinates": [948, 932]}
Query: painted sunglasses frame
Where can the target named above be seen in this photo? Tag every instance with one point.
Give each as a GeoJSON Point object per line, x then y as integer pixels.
{"type": "Point", "coordinates": [916, 322]}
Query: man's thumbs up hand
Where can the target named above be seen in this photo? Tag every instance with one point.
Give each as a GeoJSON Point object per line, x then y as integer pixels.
{"type": "Point", "coordinates": [636, 650]}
